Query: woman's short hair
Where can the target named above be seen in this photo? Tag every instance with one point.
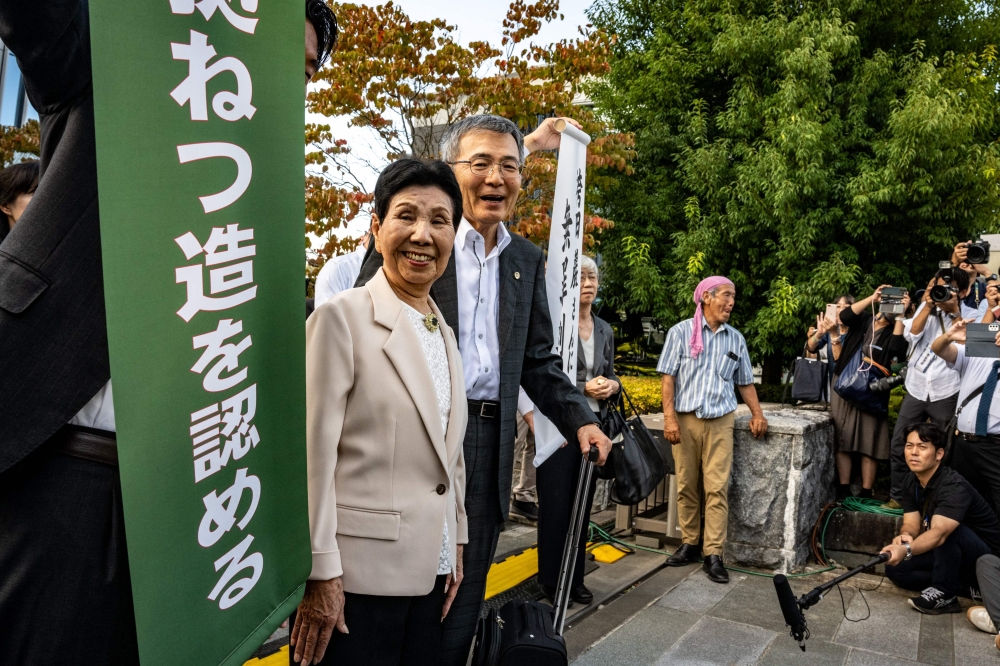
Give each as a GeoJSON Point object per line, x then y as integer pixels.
{"type": "Point", "coordinates": [410, 172]}
{"type": "Point", "coordinates": [928, 432]}
{"type": "Point", "coordinates": [586, 263]}
{"type": "Point", "coordinates": [15, 180]}
{"type": "Point", "coordinates": [847, 298]}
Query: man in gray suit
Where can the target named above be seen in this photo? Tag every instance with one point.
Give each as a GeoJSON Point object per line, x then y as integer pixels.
{"type": "Point", "coordinates": [493, 296]}
{"type": "Point", "coordinates": [65, 590]}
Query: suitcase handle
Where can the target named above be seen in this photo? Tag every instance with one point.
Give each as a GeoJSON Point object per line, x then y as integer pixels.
{"type": "Point", "coordinates": [568, 564]}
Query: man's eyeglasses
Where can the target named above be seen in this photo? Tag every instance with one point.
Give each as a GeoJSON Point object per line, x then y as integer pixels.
{"type": "Point", "coordinates": [509, 169]}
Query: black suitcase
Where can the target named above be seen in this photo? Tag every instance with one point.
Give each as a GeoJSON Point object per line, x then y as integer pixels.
{"type": "Point", "coordinates": [528, 633]}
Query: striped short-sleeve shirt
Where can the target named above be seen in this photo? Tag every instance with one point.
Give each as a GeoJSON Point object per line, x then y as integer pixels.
{"type": "Point", "coordinates": [705, 385]}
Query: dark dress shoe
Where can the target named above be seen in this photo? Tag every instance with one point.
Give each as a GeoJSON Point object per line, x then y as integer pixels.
{"type": "Point", "coordinates": [526, 509]}
{"type": "Point", "coordinates": [686, 554]}
{"type": "Point", "coordinates": [550, 594]}
{"type": "Point", "coordinates": [716, 571]}
{"type": "Point", "coordinates": [581, 595]}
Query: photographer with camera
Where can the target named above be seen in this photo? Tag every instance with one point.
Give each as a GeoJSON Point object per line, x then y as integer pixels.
{"type": "Point", "coordinates": [931, 386]}
{"type": "Point", "coordinates": [972, 257]}
{"type": "Point", "coordinates": [947, 526]}
{"type": "Point", "coordinates": [879, 338]}
{"type": "Point", "coordinates": [976, 448]}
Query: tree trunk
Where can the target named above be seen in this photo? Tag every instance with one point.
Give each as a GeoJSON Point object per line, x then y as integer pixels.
{"type": "Point", "coordinates": [772, 369]}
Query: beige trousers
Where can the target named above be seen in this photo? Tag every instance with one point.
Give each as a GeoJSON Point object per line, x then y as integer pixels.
{"type": "Point", "coordinates": [703, 460]}
{"type": "Point", "coordinates": [524, 448]}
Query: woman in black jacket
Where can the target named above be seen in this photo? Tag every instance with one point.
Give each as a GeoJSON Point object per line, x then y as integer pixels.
{"type": "Point", "coordinates": [557, 476]}
{"type": "Point", "coordinates": [880, 338]}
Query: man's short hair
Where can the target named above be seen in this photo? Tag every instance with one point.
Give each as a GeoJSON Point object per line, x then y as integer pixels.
{"type": "Point", "coordinates": [928, 432]}
{"type": "Point", "coordinates": [959, 278]}
{"type": "Point", "coordinates": [481, 122]}
{"type": "Point", "coordinates": [327, 31]}
{"type": "Point", "coordinates": [408, 172]}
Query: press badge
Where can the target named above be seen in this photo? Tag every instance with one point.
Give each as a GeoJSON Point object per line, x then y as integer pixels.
{"type": "Point", "coordinates": [924, 361]}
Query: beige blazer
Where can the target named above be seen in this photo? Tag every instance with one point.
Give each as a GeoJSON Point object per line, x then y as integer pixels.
{"type": "Point", "coordinates": [383, 478]}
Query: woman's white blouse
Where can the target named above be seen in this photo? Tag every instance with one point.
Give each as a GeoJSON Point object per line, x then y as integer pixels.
{"type": "Point", "coordinates": [437, 362]}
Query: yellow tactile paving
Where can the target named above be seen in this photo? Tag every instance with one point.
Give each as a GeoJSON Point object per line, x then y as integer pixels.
{"type": "Point", "coordinates": [513, 571]}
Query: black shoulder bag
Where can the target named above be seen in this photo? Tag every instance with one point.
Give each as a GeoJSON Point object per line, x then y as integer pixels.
{"type": "Point", "coordinates": [637, 463]}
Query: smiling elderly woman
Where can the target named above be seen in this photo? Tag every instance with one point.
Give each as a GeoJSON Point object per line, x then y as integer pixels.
{"type": "Point", "coordinates": [386, 414]}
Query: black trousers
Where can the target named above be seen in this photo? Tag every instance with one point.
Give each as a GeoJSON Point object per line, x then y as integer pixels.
{"type": "Point", "coordinates": [65, 591]}
{"type": "Point", "coordinates": [912, 412]}
{"type": "Point", "coordinates": [947, 567]}
{"type": "Point", "coordinates": [482, 508]}
{"type": "Point", "coordinates": [387, 631]}
{"type": "Point", "coordinates": [557, 478]}
{"type": "Point", "coordinates": [979, 463]}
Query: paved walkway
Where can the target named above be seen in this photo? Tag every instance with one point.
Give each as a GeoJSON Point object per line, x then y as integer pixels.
{"type": "Point", "coordinates": [679, 617]}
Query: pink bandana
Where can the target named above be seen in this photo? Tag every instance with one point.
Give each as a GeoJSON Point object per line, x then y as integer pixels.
{"type": "Point", "coordinates": [708, 284]}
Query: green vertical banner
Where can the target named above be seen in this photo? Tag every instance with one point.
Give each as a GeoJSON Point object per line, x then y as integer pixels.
{"type": "Point", "coordinates": [199, 119]}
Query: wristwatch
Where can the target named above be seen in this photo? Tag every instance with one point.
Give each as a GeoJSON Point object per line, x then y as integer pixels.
{"type": "Point", "coordinates": [909, 551]}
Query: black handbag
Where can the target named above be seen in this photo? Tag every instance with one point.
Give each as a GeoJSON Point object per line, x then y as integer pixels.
{"type": "Point", "coordinates": [809, 380]}
{"type": "Point", "coordinates": [638, 463]}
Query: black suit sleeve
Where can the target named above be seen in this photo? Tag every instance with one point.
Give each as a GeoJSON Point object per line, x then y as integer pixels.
{"type": "Point", "coordinates": [542, 376]}
{"type": "Point", "coordinates": [51, 39]}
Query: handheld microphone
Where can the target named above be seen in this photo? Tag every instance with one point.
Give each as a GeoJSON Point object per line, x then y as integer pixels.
{"type": "Point", "coordinates": [790, 610]}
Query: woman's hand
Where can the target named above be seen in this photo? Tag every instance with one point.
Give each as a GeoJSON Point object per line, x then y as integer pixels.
{"type": "Point", "coordinates": [451, 586]}
{"type": "Point", "coordinates": [877, 294]}
{"type": "Point", "coordinates": [600, 388]}
{"type": "Point", "coordinates": [321, 609]}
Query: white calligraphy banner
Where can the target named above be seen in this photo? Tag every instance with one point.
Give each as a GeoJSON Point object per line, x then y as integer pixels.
{"type": "Point", "coordinates": [562, 275]}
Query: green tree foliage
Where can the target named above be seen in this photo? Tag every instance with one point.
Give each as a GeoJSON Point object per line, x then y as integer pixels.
{"type": "Point", "coordinates": [802, 149]}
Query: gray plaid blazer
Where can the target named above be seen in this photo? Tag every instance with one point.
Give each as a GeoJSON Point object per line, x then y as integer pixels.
{"type": "Point", "coordinates": [526, 358]}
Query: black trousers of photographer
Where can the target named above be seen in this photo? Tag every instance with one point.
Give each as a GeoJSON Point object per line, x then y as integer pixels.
{"type": "Point", "coordinates": [912, 412]}
{"type": "Point", "coordinates": [947, 567]}
{"type": "Point", "coordinates": [978, 460]}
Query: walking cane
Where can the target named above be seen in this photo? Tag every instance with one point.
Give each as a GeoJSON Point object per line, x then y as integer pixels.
{"type": "Point", "coordinates": [568, 565]}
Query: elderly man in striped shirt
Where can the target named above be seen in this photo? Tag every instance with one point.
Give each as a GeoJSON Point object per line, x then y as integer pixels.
{"type": "Point", "coordinates": [702, 359]}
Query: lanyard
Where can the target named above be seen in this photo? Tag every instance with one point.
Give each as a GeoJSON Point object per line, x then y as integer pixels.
{"type": "Point", "coordinates": [927, 501]}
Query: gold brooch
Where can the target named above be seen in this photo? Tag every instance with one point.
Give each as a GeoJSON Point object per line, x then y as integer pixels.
{"type": "Point", "coordinates": [431, 322]}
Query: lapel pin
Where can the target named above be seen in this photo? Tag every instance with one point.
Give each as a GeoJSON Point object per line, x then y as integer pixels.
{"type": "Point", "coordinates": [517, 276]}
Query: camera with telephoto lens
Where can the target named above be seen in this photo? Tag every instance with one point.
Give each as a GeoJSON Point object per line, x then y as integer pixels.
{"type": "Point", "coordinates": [941, 293]}
{"type": "Point", "coordinates": [978, 252]}
{"type": "Point", "coordinates": [888, 383]}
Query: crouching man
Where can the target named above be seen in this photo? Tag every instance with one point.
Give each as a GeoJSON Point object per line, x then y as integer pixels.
{"type": "Point", "coordinates": [947, 526]}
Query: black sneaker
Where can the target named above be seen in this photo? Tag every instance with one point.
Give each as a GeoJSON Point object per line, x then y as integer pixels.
{"type": "Point", "coordinates": [933, 601]}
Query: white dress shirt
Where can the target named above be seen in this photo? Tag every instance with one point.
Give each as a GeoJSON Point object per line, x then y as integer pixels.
{"type": "Point", "coordinates": [929, 378]}
{"type": "Point", "coordinates": [974, 372]}
{"type": "Point", "coordinates": [99, 412]}
{"type": "Point", "coordinates": [524, 404]}
{"type": "Point", "coordinates": [338, 274]}
{"type": "Point", "coordinates": [478, 278]}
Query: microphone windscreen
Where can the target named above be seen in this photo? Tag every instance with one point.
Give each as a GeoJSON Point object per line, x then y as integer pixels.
{"type": "Point", "coordinates": [789, 607]}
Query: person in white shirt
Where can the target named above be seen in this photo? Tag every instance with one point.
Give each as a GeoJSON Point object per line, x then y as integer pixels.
{"type": "Point", "coordinates": [339, 273]}
{"type": "Point", "coordinates": [976, 447]}
{"type": "Point", "coordinates": [931, 386]}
